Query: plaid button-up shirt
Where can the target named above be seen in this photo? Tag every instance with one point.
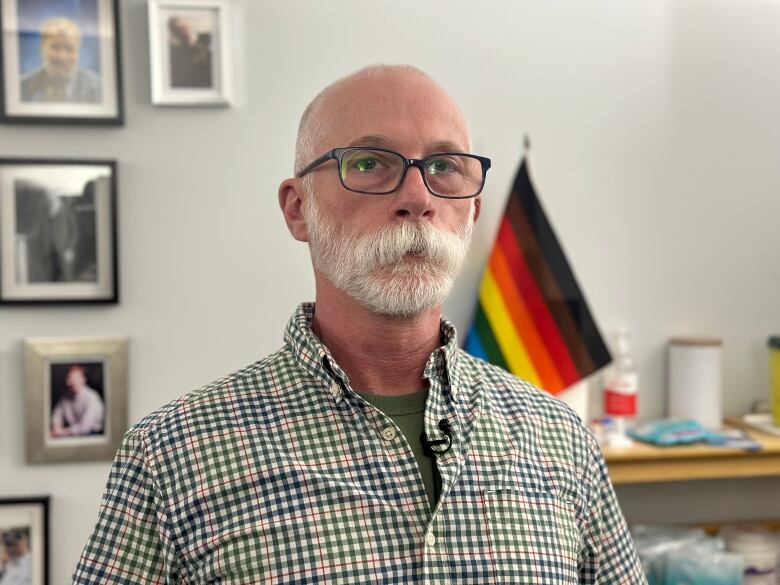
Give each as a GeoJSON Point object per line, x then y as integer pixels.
{"type": "Point", "coordinates": [280, 473]}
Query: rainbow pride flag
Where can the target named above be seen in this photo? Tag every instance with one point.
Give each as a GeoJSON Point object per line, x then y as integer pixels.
{"type": "Point", "coordinates": [532, 318]}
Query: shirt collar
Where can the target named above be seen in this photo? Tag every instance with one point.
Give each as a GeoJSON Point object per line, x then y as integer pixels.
{"type": "Point", "coordinates": [443, 361]}
{"type": "Point", "coordinates": [314, 357]}
{"type": "Point", "coordinates": [307, 350]}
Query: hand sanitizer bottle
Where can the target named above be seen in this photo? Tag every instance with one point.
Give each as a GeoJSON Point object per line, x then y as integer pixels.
{"type": "Point", "coordinates": [621, 386]}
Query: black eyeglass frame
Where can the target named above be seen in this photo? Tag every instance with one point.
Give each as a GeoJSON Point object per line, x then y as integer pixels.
{"type": "Point", "coordinates": [337, 154]}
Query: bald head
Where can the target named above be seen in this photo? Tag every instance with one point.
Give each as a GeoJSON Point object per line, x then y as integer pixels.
{"type": "Point", "coordinates": [404, 89]}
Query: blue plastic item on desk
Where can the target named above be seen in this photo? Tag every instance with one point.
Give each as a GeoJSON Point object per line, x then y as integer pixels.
{"type": "Point", "coordinates": [667, 432]}
{"type": "Point", "coordinates": [733, 439]}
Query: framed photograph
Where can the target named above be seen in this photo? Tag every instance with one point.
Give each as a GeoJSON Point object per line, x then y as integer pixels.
{"type": "Point", "coordinates": [24, 541]}
{"type": "Point", "coordinates": [60, 62]}
{"type": "Point", "coordinates": [58, 240]}
{"type": "Point", "coordinates": [191, 60]}
{"type": "Point", "coordinates": [76, 398]}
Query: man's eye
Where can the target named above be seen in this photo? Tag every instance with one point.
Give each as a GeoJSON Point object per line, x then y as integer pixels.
{"type": "Point", "coordinates": [366, 164]}
{"type": "Point", "coordinates": [439, 165]}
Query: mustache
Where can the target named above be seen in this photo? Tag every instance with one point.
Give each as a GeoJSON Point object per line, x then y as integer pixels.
{"type": "Point", "coordinates": [441, 251]}
{"type": "Point", "coordinates": [389, 245]}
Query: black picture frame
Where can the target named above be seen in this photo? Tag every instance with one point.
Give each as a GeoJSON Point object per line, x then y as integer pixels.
{"type": "Point", "coordinates": [24, 529]}
{"type": "Point", "coordinates": [94, 92]}
{"type": "Point", "coordinates": [58, 231]}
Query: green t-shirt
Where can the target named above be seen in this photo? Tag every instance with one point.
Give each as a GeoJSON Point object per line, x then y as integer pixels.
{"type": "Point", "coordinates": [407, 412]}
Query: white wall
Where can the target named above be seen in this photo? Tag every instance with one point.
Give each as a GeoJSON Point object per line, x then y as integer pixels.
{"type": "Point", "coordinates": [655, 140]}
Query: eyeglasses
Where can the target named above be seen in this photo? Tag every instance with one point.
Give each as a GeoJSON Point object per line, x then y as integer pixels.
{"type": "Point", "coordinates": [378, 171]}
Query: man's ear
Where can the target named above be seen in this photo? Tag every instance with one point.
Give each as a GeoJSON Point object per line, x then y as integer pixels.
{"type": "Point", "coordinates": [477, 207]}
{"type": "Point", "coordinates": [291, 203]}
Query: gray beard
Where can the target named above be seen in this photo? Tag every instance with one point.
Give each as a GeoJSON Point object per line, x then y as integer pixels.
{"type": "Point", "coordinates": [374, 269]}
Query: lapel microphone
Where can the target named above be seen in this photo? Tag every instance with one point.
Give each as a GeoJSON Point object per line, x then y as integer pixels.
{"type": "Point", "coordinates": [433, 447]}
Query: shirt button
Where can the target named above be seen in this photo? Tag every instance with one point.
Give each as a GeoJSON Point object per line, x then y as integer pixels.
{"type": "Point", "coordinates": [335, 390]}
{"type": "Point", "coordinates": [388, 433]}
{"type": "Point", "coordinates": [430, 539]}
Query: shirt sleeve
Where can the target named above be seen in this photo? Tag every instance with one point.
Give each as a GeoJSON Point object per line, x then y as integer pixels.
{"type": "Point", "coordinates": [93, 417]}
{"type": "Point", "coordinates": [57, 416]}
{"type": "Point", "coordinates": [130, 542]}
{"type": "Point", "coordinates": [609, 555]}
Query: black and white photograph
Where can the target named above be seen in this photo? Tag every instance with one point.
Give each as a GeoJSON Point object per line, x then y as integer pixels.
{"type": "Point", "coordinates": [61, 61]}
{"type": "Point", "coordinates": [76, 397]}
{"type": "Point", "coordinates": [190, 52]}
{"type": "Point", "coordinates": [57, 231]}
{"type": "Point", "coordinates": [77, 403]}
{"type": "Point", "coordinates": [24, 538]}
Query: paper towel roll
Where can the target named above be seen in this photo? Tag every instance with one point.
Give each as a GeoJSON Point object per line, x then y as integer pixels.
{"type": "Point", "coordinates": [694, 380]}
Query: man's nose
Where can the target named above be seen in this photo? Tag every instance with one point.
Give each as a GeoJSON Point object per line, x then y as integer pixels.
{"type": "Point", "coordinates": [412, 200]}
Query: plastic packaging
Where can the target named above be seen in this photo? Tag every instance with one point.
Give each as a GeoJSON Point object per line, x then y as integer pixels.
{"type": "Point", "coordinates": [759, 550]}
{"type": "Point", "coordinates": [702, 563]}
{"type": "Point", "coordinates": [654, 543]}
{"type": "Point", "coordinates": [621, 387]}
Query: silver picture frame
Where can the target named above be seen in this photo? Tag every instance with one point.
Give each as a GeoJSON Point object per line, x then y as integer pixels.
{"type": "Point", "coordinates": [76, 398]}
{"type": "Point", "coordinates": [190, 49]}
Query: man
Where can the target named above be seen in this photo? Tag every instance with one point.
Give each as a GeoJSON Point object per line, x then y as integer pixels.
{"type": "Point", "coordinates": [49, 231]}
{"type": "Point", "coordinates": [80, 412]}
{"type": "Point", "coordinates": [369, 449]}
{"type": "Point", "coordinates": [16, 564]}
{"type": "Point", "coordinates": [64, 236]}
{"type": "Point", "coordinates": [60, 79]}
{"type": "Point", "coordinates": [190, 56]}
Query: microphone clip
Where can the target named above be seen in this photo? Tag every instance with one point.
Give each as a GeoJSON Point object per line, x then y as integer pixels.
{"type": "Point", "coordinates": [434, 447]}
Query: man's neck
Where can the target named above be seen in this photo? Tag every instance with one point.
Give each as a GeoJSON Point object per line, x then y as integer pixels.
{"type": "Point", "coordinates": [380, 354]}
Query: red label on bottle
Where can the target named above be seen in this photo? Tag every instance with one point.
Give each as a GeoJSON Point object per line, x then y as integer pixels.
{"type": "Point", "coordinates": [617, 404]}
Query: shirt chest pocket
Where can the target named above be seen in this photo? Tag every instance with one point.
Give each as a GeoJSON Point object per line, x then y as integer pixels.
{"type": "Point", "coordinates": [534, 536]}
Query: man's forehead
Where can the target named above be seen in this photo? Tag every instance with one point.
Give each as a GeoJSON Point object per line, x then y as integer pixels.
{"type": "Point", "coordinates": [384, 141]}
{"type": "Point", "coordinates": [385, 111]}
{"type": "Point", "coordinates": [63, 37]}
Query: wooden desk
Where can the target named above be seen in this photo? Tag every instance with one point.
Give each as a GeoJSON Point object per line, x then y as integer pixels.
{"type": "Point", "coordinates": [643, 463]}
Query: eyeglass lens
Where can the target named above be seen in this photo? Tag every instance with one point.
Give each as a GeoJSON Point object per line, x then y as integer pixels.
{"type": "Point", "coordinates": [377, 171]}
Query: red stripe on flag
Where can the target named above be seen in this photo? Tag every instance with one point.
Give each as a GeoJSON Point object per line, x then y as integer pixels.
{"type": "Point", "coordinates": [537, 306]}
{"type": "Point", "coordinates": [524, 324]}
